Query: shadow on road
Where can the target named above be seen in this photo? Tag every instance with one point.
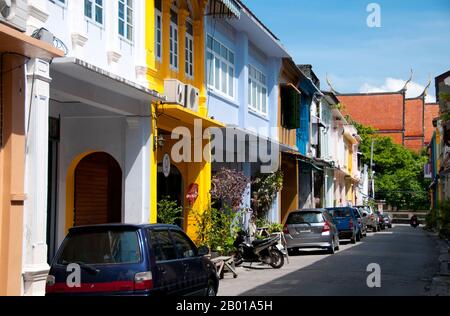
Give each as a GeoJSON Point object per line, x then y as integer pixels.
{"type": "Point", "coordinates": [407, 259]}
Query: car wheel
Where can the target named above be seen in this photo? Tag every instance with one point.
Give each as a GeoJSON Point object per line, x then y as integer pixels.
{"type": "Point", "coordinates": [211, 289]}
{"type": "Point", "coordinates": [276, 259]}
{"type": "Point", "coordinates": [337, 244]}
{"type": "Point", "coordinates": [353, 240]}
{"type": "Point", "coordinates": [331, 249]}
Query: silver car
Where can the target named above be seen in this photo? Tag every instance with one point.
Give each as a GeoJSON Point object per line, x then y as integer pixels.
{"type": "Point", "coordinates": [312, 228]}
{"type": "Point", "coordinates": [372, 218]}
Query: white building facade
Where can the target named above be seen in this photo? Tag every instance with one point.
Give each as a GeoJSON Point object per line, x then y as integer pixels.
{"type": "Point", "coordinates": [89, 126]}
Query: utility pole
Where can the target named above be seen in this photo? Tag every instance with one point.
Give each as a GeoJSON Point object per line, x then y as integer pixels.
{"type": "Point", "coordinates": [371, 170]}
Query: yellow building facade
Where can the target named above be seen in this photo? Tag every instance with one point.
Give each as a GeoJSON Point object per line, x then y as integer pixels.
{"type": "Point", "coordinates": [175, 44]}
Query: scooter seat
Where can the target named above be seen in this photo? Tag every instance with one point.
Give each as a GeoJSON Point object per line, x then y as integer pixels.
{"type": "Point", "coordinates": [257, 242]}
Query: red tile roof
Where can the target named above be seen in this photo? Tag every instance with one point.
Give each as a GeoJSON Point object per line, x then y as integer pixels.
{"type": "Point", "coordinates": [383, 111]}
{"type": "Point", "coordinates": [414, 117]}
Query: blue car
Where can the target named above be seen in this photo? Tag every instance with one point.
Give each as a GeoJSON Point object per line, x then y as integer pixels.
{"type": "Point", "coordinates": [347, 222]}
{"type": "Point", "coordinates": [141, 260]}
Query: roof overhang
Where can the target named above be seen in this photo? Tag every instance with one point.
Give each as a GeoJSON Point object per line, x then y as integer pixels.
{"type": "Point", "coordinates": [15, 42]}
{"type": "Point", "coordinates": [186, 116]}
{"type": "Point", "coordinates": [76, 68]}
{"type": "Point", "coordinates": [351, 134]}
{"type": "Point", "coordinates": [330, 97]}
{"type": "Point", "coordinates": [258, 33]}
{"type": "Point", "coordinates": [227, 8]}
{"type": "Point", "coordinates": [309, 87]}
{"type": "Point", "coordinates": [291, 86]}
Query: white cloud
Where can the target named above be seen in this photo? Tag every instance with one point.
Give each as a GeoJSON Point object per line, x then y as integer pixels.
{"type": "Point", "coordinates": [391, 85]}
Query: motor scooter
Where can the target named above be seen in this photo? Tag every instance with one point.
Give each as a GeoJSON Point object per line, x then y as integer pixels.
{"type": "Point", "coordinates": [267, 250]}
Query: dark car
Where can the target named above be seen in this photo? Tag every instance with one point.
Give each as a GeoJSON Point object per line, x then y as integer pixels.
{"type": "Point", "coordinates": [362, 220]}
{"type": "Point", "coordinates": [346, 221]}
{"type": "Point", "coordinates": [122, 259]}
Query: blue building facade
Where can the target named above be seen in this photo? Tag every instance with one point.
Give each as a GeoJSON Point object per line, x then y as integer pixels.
{"type": "Point", "coordinates": [243, 66]}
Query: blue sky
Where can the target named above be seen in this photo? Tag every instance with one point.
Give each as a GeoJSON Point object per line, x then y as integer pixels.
{"type": "Point", "coordinates": [333, 36]}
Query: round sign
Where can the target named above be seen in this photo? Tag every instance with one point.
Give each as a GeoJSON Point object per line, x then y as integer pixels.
{"type": "Point", "coordinates": [166, 165]}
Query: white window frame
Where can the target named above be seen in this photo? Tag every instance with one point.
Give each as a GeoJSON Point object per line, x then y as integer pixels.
{"type": "Point", "coordinates": [255, 102]}
{"type": "Point", "coordinates": [126, 36]}
{"type": "Point", "coordinates": [61, 3]}
{"type": "Point", "coordinates": [189, 54]}
{"type": "Point", "coordinates": [211, 70]}
{"type": "Point", "coordinates": [174, 46]}
{"type": "Point", "coordinates": [158, 15]}
{"type": "Point", "coordinates": [94, 6]}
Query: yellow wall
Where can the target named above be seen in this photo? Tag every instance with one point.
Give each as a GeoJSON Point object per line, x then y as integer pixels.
{"type": "Point", "coordinates": [157, 72]}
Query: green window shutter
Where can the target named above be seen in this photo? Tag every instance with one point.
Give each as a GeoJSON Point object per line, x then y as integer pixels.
{"type": "Point", "coordinates": [290, 108]}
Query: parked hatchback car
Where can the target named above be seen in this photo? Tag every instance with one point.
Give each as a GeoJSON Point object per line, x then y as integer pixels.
{"type": "Point", "coordinates": [346, 221]}
{"type": "Point", "coordinates": [122, 259]}
{"type": "Point", "coordinates": [312, 228]}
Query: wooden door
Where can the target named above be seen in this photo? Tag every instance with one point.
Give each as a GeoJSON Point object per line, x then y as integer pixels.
{"type": "Point", "coordinates": [98, 190]}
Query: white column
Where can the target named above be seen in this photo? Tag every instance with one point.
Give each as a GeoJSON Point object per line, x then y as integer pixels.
{"type": "Point", "coordinates": [137, 171]}
{"type": "Point", "coordinates": [35, 267]}
{"type": "Point", "coordinates": [112, 35]}
{"type": "Point", "coordinates": [78, 31]}
{"type": "Point", "coordinates": [37, 15]}
{"type": "Point", "coordinates": [140, 54]}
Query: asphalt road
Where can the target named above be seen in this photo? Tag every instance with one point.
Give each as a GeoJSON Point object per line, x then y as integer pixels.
{"type": "Point", "coordinates": [408, 259]}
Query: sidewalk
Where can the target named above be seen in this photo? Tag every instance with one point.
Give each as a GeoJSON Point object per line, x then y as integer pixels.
{"type": "Point", "coordinates": [440, 284]}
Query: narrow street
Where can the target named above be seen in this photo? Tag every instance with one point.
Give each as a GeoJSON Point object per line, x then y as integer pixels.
{"type": "Point", "coordinates": [407, 257]}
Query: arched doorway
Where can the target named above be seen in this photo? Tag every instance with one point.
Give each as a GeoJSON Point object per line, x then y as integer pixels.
{"type": "Point", "coordinates": [98, 190]}
{"type": "Point", "coordinates": [171, 187]}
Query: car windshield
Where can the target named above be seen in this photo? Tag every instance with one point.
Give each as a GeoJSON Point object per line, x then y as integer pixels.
{"type": "Point", "coordinates": [340, 212]}
{"type": "Point", "coordinates": [304, 217]}
{"type": "Point", "coordinates": [105, 247]}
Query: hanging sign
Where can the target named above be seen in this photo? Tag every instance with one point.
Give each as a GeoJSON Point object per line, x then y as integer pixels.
{"type": "Point", "coordinates": [192, 193]}
{"type": "Point", "coordinates": [166, 165]}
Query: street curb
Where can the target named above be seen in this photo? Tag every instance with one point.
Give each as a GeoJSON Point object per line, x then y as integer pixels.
{"type": "Point", "coordinates": [440, 283]}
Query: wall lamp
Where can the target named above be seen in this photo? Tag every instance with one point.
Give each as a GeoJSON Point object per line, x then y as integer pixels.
{"type": "Point", "coordinates": [158, 142]}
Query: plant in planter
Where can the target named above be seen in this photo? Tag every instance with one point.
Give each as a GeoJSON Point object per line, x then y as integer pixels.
{"type": "Point", "coordinates": [264, 191]}
{"type": "Point", "coordinates": [168, 211]}
{"type": "Point", "coordinates": [215, 230]}
{"type": "Point", "coordinates": [275, 228]}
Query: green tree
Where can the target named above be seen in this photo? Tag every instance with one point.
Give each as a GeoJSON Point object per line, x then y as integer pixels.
{"type": "Point", "coordinates": [399, 175]}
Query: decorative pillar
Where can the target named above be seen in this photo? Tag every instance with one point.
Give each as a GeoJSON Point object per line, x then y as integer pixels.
{"type": "Point", "coordinates": [242, 73]}
{"type": "Point", "coordinates": [182, 15]}
{"type": "Point", "coordinates": [137, 170]}
{"type": "Point", "coordinates": [199, 53]}
{"type": "Point", "coordinates": [35, 267]}
{"type": "Point", "coordinates": [112, 36]}
{"type": "Point", "coordinates": [166, 5]}
{"type": "Point", "coordinates": [12, 158]}
{"type": "Point", "coordinates": [77, 32]}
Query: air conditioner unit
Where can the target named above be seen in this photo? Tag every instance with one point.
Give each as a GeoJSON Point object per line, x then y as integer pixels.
{"type": "Point", "coordinates": [192, 98]}
{"type": "Point", "coordinates": [175, 91]}
{"type": "Point", "coordinates": [14, 13]}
